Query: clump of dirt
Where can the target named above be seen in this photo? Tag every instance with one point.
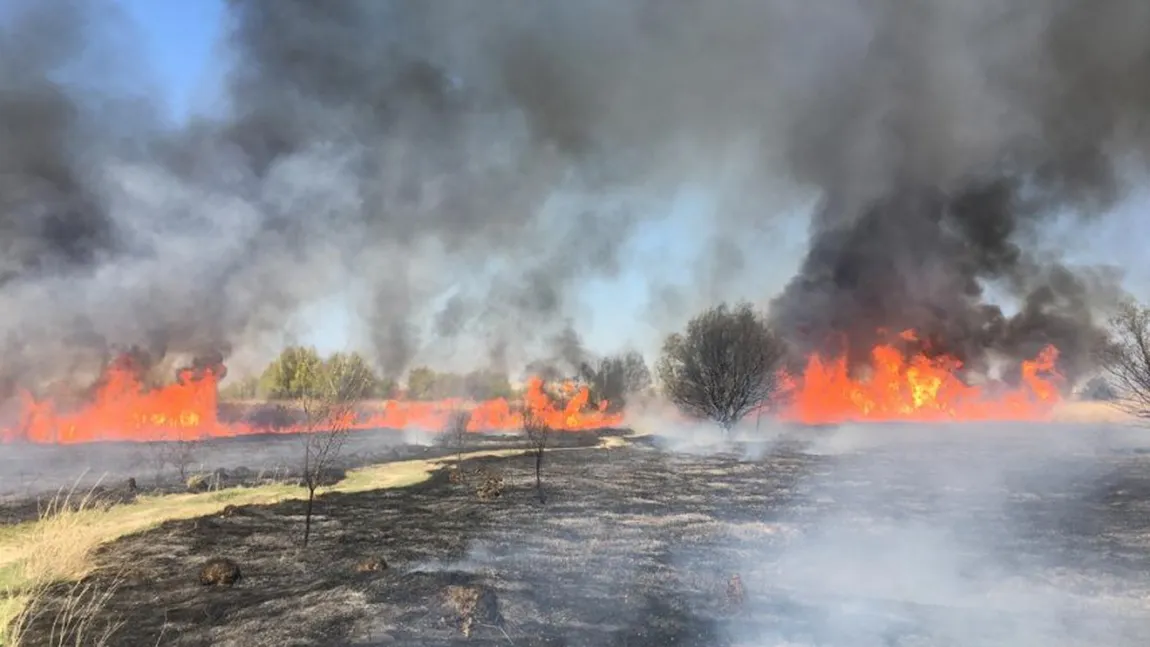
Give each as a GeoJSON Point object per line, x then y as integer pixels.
{"type": "Point", "coordinates": [736, 594]}
{"type": "Point", "coordinates": [456, 476]}
{"type": "Point", "coordinates": [371, 565]}
{"type": "Point", "coordinates": [198, 482]}
{"type": "Point", "coordinates": [472, 606]}
{"type": "Point", "coordinates": [204, 524]}
{"type": "Point", "coordinates": [220, 571]}
{"type": "Point", "coordinates": [490, 486]}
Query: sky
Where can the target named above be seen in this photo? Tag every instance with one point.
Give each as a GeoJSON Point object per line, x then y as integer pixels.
{"type": "Point", "coordinates": [184, 45]}
{"type": "Point", "coordinates": [181, 40]}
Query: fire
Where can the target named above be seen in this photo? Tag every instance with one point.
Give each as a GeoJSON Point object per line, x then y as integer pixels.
{"type": "Point", "coordinates": [916, 388]}
{"type": "Point", "coordinates": [124, 410]}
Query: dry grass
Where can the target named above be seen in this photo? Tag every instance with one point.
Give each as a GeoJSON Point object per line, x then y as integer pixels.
{"type": "Point", "coordinates": [59, 547]}
{"type": "Point", "coordinates": [11, 608]}
{"type": "Point", "coordinates": [75, 620]}
{"type": "Point", "coordinates": [55, 548]}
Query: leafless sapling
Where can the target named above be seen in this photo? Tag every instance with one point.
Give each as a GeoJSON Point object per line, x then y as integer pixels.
{"type": "Point", "coordinates": [328, 413]}
{"type": "Point", "coordinates": [537, 432]}
{"type": "Point", "coordinates": [724, 366]}
{"type": "Point", "coordinates": [182, 455]}
{"type": "Point", "coordinates": [1126, 359]}
{"type": "Point", "coordinates": [455, 434]}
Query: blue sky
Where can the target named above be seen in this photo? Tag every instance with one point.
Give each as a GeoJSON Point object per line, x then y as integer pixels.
{"type": "Point", "coordinates": [180, 40]}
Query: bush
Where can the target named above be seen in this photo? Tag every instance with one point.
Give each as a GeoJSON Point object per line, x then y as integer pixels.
{"type": "Point", "coordinates": [724, 366]}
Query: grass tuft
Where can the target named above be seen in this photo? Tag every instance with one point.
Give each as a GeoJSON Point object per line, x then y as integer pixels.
{"type": "Point", "coordinates": [57, 547]}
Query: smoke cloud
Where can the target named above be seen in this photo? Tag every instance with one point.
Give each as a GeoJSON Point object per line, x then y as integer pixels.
{"type": "Point", "coordinates": [457, 170]}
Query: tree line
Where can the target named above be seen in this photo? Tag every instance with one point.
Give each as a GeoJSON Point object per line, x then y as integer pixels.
{"type": "Point", "coordinates": [724, 365]}
{"type": "Point", "coordinates": [300, 371]}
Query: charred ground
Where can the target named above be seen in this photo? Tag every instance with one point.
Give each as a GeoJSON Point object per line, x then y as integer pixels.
{"type": "Point", "coordinates": [31, 475]}
{"type": "Point", "coordinates": [636, 546]}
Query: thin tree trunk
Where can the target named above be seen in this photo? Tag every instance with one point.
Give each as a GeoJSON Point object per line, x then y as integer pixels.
{"type": "Point", "coordinates": [539, 475]}
{"type": "Point", "coordinates": [307, 516]}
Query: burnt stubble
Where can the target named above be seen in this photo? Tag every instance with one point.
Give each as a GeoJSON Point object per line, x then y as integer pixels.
{"type": "Point", "coordinates": [913, 536]}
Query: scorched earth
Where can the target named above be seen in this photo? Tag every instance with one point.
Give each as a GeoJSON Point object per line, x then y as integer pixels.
{"type": "Point", "coordinates": [900, 535]}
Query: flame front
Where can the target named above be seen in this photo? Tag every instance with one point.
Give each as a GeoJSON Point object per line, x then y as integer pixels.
{"type": "Point", "coordinates": [123, 410]}
{"type": "Point", "coordinates": [914, 388]}
{"type": "Point", "coordinates": [918, 388]}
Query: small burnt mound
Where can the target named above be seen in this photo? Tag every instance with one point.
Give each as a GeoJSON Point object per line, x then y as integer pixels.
{"type": "Point", "coordinates": [220, 571]}
{"type": "Point", "coordinates": [205, 525]}
{"type": "Point", "coordinates": [197, 483]}
{"type": "Point", "coordinates": [456, 476]}
{"type": "Point", "coordinates": [490, 484]}
{"type": "Point", "coordinates": [369, 565]}
{"type": "Point", "coordinates": [735, 595]}
{"type": "Point", "coordinates": [468, 607]}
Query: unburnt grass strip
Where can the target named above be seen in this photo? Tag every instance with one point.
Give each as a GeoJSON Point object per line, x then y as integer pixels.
{"type": "Point", "coordinates": [59, 546]}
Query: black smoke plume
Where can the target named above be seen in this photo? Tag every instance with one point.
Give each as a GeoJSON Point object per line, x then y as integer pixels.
{"type": "Point", "coordinates": [921, 260]}
{"type": "Point", "coordinates": [948, 207]}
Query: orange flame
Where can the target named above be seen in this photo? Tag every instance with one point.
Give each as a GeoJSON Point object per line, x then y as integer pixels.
{"type": "Point", "coordinates": [915, 388]}
{"type": "Point", "coordinates": [123, 410]}
{"type": "Point", "coordinates": [918, 388]}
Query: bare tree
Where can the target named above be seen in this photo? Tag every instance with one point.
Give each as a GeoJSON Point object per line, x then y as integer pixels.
{"type": "Point", "coordinates": [537, 432]}
{"type": "Point", "coordinates": [1126, 359]}
{"type": "Point", "coordinates": [328, 412]}
{"type": "Point", "coordinates": [182, 454]}
{"type": "Point", "coordinates": [455, 435]}
{"type": "Point", "coordinates": [179, 454]}
{"type": "Point", "coordinates": [724, 366]}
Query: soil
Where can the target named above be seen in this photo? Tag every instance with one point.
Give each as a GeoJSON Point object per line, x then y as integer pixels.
{"type": "Point", "coordinates": [902, 541]}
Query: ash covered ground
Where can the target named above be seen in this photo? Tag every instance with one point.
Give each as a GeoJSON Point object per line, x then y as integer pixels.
{"type": "Point", "coordinates": [907, 535]}
{"type": "Point", "coordinates": [32, 474]}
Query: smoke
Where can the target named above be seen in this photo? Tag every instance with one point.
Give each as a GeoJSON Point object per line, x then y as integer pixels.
{"type": "Point", "coordinates": [458, 170]}
{"type": "Point", "coordinates": [944, 155]}
{"type": "Point", "coordinates": [920, 259]}
{"type": "Point", "coordinates": [927, 536]}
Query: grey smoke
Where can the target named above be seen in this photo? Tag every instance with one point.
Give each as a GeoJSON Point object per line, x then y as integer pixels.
{"type": "Point", "coordinates": [945, 153]}
{"type": "Point", "coordinates": [460, 168]}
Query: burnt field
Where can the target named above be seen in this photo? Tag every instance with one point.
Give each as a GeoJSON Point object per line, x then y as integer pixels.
{"type": "Point", "coordinates": [896, 536]}
{"type": "Point", "coordinates": [31, 473]}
